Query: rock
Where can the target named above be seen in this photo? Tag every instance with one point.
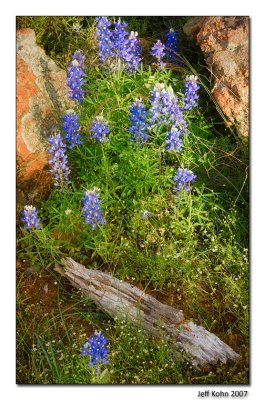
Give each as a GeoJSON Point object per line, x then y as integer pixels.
{"type": "Point", "coordinates": [193, 25]}
{"type": "Point", "coordinates": [225, 43]}
{"type": "Point", "coordinates": [42, 98]}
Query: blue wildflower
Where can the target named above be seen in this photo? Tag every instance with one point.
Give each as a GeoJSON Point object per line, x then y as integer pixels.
{"type": "Point", "coordinates": [158, 51]}
{"type": "Point", "coordinates": [139, 127]}
{"type": "Point", "coordinates": [104, 35]}
{"type": "Point", "coordinates": [71, 126]}
{"type": "Point", "coordinates": [119, 38]}
{"type": "Point", "coordinates": [190, 93]}
{"type": "Point", "coordinates": [117, 47]}
{"type": "Point", "coordinates": [132, 56]}
{"type": "Point", "coordinates": [126, 48]}
{"type": "Point", "coordinates": [171, 46]}
{"type": "Point", "coordinates": [183, 178]}
{"type": "Point", "coordinates": [96, 348]}
{"type": "Point", "coordinates": [75, 77]}
{"type": "Point", "coordinates": [30, 217]}
{"type": "Point", "coordinates": [146, 214]}
{"type": "Point", "coordinates": [155, 112]}
{"type": "Point", "coordinates": [92, 211]}
{"type": "Point", "coordinates": [100, 129]}
{"type": "Point", "coordinates": [172, 111]}
{"type": "Point", "coordinates": [173, 139]}
{"type": "Point", "coordinates": [60, 170]}
{"type": "Point", "coordinates": [80, 58]}
{"type": "Point", "coordinates": [165, 110]}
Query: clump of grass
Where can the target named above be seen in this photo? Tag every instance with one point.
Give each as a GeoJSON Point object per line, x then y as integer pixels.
{"type": "Point", "coordinates": [192, 247]}
{"type": "Point", "coordinates": [58, 35]}
{"type": "Point", "coordinates": [49, 350]}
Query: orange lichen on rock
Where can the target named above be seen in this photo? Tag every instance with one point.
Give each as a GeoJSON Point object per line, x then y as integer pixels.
{"type": "Point", "coordinates": [27, 162]}
{"type": "Point", "coordinates": [225, 44]}
{"type": "Point", "coordinates": [42, 98]}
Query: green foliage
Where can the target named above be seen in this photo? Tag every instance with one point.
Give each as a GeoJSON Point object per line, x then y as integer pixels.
{"type": "Point", "coordinates": [56, 34]}
{"type": "Point", "coordinates": [58, 37]}
{"type": "Point", "coordinates": [193, 248]}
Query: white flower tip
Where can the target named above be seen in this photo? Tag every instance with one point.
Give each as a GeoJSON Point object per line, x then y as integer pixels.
{"type": "Point", "coordinates": [160, 86]}
{"type": "Point", "coordinates": [100, 118]}
{"type": "Point", "coordinates": [29, 209]}
{"type": "Point", "coordinates": [191, 78]}
{"type": "Point", "coordinates": [170, 91]}
{"type": "Point", "coordinates": [138, 101]}
{"type": "Point", "coordinates": [94, 190]}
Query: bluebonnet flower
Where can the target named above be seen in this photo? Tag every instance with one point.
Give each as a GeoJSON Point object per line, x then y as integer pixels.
{"type": "Point", "coordinates": [117, 47]}
{"type": "Point", "coordinates": [71, 126]}
{"type": "Point", "coordinates": [132, 56]}
{"type": "Point", "coordinates": [173, 139]}
{"type": "Point", "coordinates": [190, 93]}
{"type": "Point", "coordinates": [92, 210]}
{"type": "Point", "coordinates": [119, 38]}
{"type": "Point", "coordinates": [165, 110]}
{"type": "Point", "coordinates": [155, 112]}
{"type": "Point", "coordinates": [158, 51]}
{"type": "Point", "coordinates": [104, 35]}
{"type": "Point", "coordinates": [126, 47]}
{"type": "Point", "coordinates": [146, 214]}
{"type": "Point", "coordinates": [183, 178]}
{"type": "Point", "coordinates": [171, 46]}
{"type": "Point", "coordinates": [137, 117]}
{"type": "Point", "coordinates": [96, 348]}
{"type": "Point", "coordinates": [100, 129]}
{"type": "Point", "coordinates": [30, 217]}
{"type": "Point", "coordinates": [172, 111]}
{"type": "Point", "coordinates": [127, 51]}
{"type": "Point", "coordinates": [60, 170]}
{"type": "Point", "coordinates": [75, 77]}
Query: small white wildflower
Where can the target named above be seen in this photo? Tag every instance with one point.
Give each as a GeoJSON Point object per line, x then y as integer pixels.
{"type": "Point", "coordinates": [77, 27]}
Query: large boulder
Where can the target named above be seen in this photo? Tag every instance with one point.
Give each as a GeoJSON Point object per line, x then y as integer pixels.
{"type": "Point", "coordinates": [42, 98]}
{"type": "Point", "coordinates": [225, 44]}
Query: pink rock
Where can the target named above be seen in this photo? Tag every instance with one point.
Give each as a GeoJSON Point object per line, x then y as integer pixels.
{"type": "Point", "coordinates": [225, 44]}
{"type": "Point", "coordinates": [42, 98]}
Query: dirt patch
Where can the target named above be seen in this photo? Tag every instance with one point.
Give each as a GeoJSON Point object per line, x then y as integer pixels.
{"type": "Point", "coordinates": [40, 297]}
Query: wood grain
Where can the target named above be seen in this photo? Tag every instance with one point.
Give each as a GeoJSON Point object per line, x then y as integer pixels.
{"type": "Point", "coordinates": [122, 300]}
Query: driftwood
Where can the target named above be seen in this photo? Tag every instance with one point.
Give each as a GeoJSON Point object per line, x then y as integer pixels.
{"type": "Point", "coordinates": [122, 300]}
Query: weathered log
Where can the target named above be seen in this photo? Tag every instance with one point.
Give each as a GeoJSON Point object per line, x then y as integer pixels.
{"type": "Point", "coordinates": [123, 300]}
